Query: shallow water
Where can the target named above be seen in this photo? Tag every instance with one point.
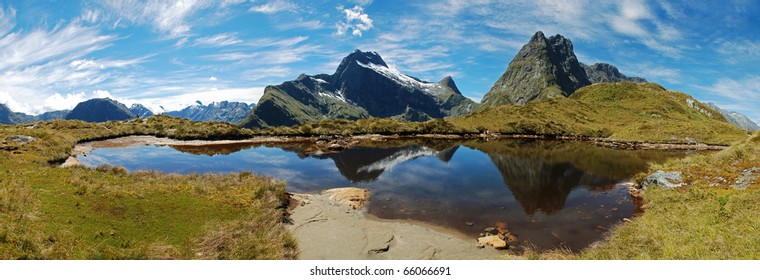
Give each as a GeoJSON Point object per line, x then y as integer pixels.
{"type": "Point", "coordinates": [549, 193]}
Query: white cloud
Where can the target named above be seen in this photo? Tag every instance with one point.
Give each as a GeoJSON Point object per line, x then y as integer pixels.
{"type": "Point", "coordinates": [218, 40]}
{"type": "Point", "coordinates": [90, 16]}
{"type": "Point", "coordinates": [273, 7]}
{"type": "Point", "coordinates": [167, 17]}
{"type": "Point", "coordinates": [213, 79]}
{"type": "Point", "coordinates": [356, 21]}
{"type": "Point", "coordinates": [57, 101]}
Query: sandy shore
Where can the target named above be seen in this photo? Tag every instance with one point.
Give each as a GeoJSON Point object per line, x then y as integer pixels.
{"type": "Point", "coordinates": [327, 229]}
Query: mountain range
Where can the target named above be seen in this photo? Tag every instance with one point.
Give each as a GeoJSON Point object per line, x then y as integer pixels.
{"type": "Point", "coordinates": [362, 86]}
{"type": "Point", "coordinates": [365, 86]}
{"type": "Point", "coordinates": [225, 111]}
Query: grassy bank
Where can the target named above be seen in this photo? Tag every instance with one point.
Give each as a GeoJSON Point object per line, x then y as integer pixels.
{"type": "Point", "coordinates": [705, 219]}
{"type": "Point", "coordinates": [78, 213]}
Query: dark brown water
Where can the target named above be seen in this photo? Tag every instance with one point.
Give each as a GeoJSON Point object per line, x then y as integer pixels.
{"type": "Point", "coordinates": [549, 193]}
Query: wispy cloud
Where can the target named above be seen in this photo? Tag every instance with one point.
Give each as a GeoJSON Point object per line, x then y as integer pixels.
{"type": "Point", "coordinates": [308, 25]}
{"type": "Point", "coordinates": [37, 64]}
{"type": "Point", "coordinates": [745, 91]}
{"type": "Point", "coordinates": [739, 50]}
{"type": "Point", "coordinates": [356, 21]}
{"type": "Point", "coordinates": [218, 40]}
{"type": "Point", "coordinates": [168, 17]}
{"type": "Point", "coordinates": [273, 7]}
{"type": "Point", "coordinates": [7, 20]}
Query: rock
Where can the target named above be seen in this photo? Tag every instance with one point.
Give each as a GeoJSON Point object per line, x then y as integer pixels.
{"type": "Point", "coordinates": [672, 179]}
{"type": "Point", "coordinates": [745, 179]}
{"type": "Point", "coordinates": [495, 241]}
{"type": "Point", "coordinates": [20, 139]}
{"type": "Point", "coordinates": [353, 197]}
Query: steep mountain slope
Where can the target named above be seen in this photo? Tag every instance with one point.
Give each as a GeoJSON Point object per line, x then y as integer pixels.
{"type": "Point", "coordinates": [362, 86]}
{"type": "Point", "coordinates": [735, 118]}
{"type": "Point", "coordinates": [9, 117]}
{"type": "Point", "coordinates": [100, 110]}
{"type": "Point", "coordinates": [140, 111]}
{"type": "Point", "coordinates": [616, 111]}
{"type": "Point", "coordinates": [546, 68]}
{"type": "Point", "coordinates": [225, 111]}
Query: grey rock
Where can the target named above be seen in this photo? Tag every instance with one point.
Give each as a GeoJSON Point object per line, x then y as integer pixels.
{"type": "Point", "coordinates": [671, 179]}
{"type": "Point", "coordinates": [746, 178]}
{"type": "Point", "coordinates": [21, 139]}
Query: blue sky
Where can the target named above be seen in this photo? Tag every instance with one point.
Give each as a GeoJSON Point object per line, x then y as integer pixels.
{"type": "Point", "coordinates": [54, 54]}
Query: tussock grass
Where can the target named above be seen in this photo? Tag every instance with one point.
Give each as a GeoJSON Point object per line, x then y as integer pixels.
{"type": "Point", "coordinates": [107, 213]}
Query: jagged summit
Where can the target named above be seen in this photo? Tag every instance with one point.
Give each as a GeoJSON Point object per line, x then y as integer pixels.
{"type": "Point", "coordinates": [547, 68]}
{"type": "Point", "coordinates": [448, 81]}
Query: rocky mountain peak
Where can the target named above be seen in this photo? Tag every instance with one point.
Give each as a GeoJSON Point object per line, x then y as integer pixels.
{"type": "Point", "coordinates": [350, 62]}
{"type": "Point", "coordinates": [448, 81]}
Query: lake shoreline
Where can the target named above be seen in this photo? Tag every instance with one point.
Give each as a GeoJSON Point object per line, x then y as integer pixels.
{"type": "Point", "coordinates": [328, 228]}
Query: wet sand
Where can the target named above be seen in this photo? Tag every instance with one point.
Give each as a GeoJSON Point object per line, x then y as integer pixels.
{"type": "Point", "coordinates": [326, 229]}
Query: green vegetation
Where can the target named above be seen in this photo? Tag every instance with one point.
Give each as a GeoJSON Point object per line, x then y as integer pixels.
{"type": "Point", "coordinates": [78, 213]}
{"type": "Point", "coordinates": [706, 219]}
{"type": "Point", "coordinates": [615, 111]}
{"type": "Point", "coordinates": [383, 126]}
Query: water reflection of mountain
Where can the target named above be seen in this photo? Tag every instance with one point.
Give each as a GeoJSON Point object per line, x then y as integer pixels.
{"type": "Point", "coordinates": [366, 164]}
{"type": "Point", "coordinates": [541, 174]}
{"type": "Point", "coordinates": [215, 149]}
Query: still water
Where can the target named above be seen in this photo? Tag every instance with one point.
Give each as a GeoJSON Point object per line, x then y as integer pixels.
{"type": "Point", "coordinates": [550, 193]}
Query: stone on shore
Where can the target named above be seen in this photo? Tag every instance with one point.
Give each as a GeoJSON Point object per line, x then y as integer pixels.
{"type": "Point", "coordinates": [672, 179]}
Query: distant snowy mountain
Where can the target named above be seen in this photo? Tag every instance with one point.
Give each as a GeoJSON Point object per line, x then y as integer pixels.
{"type": "Point", "coordinates": [225, 111]}
{"type": "Point", "coordinates": [735, 118]}
{"type": "Point", "coordinates": [140, 111]}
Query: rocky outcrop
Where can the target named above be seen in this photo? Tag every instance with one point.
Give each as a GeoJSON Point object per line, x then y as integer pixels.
{"type": "Point", "coordinates": [544, 68]}
{"type": "Point", "coordinates": [607, 73]}
{"type": "Point", "coordinates": [100, 110]}
{"type": "Point", "coordinates": [362, 86]}
{"type": "Point", "coordinates": [735, 118]}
